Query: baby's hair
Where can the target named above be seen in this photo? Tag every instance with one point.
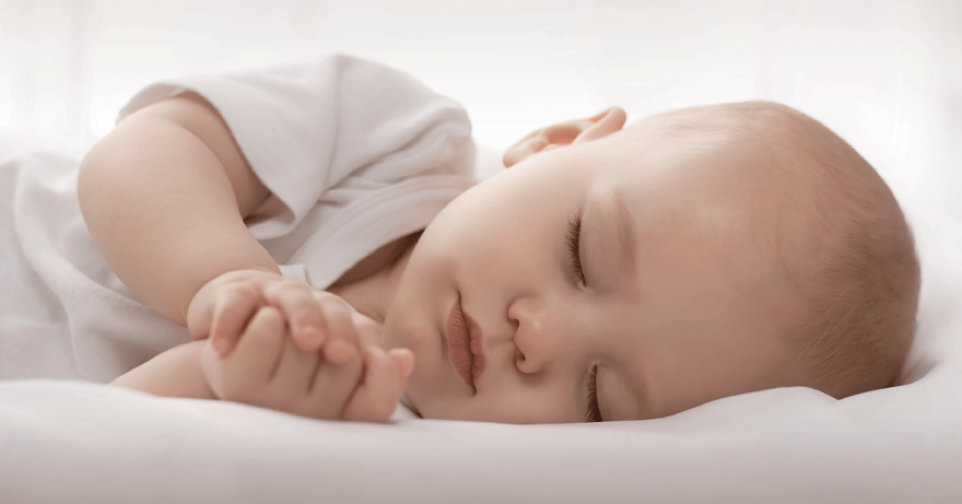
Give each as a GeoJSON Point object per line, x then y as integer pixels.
{"type": "Point", "coordinates": [861, 293]}
{"type": "Point", "coordinates": [842, 238]}
{"type": "Point", "coordinates": [859, 274]}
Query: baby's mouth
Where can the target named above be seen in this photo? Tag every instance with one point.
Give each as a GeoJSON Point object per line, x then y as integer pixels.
{"type": "Point", "coordinates": [465, 345]}
{"type": "Point", "coordinates": [459, 344]}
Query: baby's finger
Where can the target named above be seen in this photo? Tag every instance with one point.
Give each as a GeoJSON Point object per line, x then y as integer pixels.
{"type": "Point", "coordinates": [333, 386]}
{"type": "Point", "coordinates": [342, 342]}
{"type": "Point", "coordinates": [296, 301]}
{"type": "Point", "coordinates": [403, 361]}
{"type": "Point", "coordinates": [376, 397]}
{"type": "Point", "coordinates": [259, 349]}
{"type": "Point", "coordinates": [200, 314]}
{"type": "Point", "coordinates": [295, 370]}
{"type": "Point", "coordinates": [233, 311]}
{"type": "Point", "coordinates": [367, 330]}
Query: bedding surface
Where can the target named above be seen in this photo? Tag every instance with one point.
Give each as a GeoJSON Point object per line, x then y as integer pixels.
{"type": "Point", "coordinates": [72, 441]}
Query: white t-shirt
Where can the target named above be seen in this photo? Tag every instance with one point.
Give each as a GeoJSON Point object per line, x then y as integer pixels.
{"type": "Point", "coordinates": [355, 154]}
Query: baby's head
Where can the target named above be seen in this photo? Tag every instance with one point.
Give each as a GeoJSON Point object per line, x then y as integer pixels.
{"type": "Point", "coordinates": [694, 255]}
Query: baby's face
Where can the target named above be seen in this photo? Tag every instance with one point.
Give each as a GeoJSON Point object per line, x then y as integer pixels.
{"type": "Point", "coordinates": [675, 307]}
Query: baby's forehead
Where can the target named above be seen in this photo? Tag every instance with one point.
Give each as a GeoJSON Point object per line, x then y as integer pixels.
{"type": "Point", "coordinates": [745, 115]}
{"type": "Point", "coordinates": [746, 161]}
{"type": "Point", "coordinates": [704, 143]}
{"type": "Point", "coordinates": [766, 127]}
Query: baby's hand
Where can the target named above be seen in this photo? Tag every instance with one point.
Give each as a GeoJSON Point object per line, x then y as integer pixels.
{"type": "Point", "coordinates": [223, 307]}
{"type": "Point", "coordinates": [267, 369]}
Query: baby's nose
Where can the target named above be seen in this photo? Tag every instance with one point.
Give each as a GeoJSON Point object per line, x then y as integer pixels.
{"type": "Point", "coordinates": [538, 335]}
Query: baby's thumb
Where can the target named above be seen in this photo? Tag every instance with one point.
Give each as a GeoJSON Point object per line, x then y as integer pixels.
{"type": "Point", "coordinates": [199, 319]}
{"type": "Point", "coordinates": [404, 360]}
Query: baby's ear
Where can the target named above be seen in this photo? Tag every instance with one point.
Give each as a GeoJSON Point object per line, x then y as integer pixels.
{"type": "Point", "coordinates": [565, 133]}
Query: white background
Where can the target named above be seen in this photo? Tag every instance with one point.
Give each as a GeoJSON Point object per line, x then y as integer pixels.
{"type": "Point", "coordinates": [885, 74]}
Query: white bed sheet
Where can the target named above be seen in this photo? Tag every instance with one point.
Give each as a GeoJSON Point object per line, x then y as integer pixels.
{"type": "Point", "coordinates": [66, 441]}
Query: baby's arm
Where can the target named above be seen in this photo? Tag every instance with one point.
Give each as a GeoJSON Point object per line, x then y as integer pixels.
{"type": "Point", "coordinates": [165, 195]}
{"type": "Point", "coordinates": [174, 373]}
{"type": "Point", "coordinates": [268, 370]}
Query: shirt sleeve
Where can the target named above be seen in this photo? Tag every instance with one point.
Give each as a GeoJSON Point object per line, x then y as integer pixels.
{"type": "Point", "coordinates": [306, 128]}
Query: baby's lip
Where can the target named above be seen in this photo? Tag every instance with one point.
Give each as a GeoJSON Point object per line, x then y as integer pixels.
{"type": "Point", "coordinates": [478, 359]}
{"type": "Point", "coordinates": [458, 337]}
{"type": "Point", "coordinates": [465, 345]}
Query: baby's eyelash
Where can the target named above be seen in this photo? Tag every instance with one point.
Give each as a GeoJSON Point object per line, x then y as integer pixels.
{"type": "Point", "coordinates": [594, 411]}
{"type": "Point", "coordinates": [574, 249]}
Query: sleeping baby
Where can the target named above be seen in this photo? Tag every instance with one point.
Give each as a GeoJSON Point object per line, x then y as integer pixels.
{"type": "Point", "coordinates": [318, 232]}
